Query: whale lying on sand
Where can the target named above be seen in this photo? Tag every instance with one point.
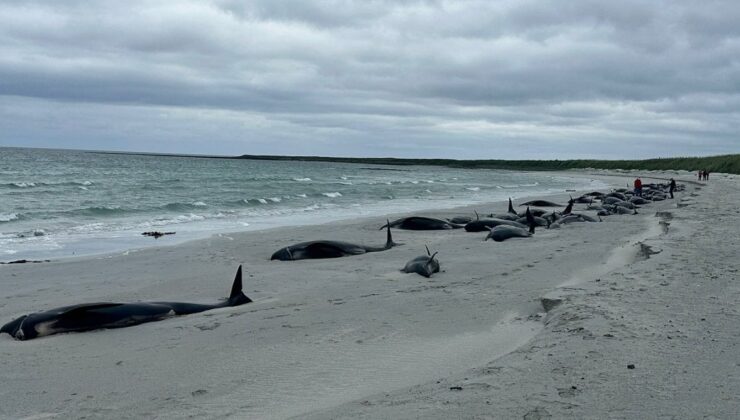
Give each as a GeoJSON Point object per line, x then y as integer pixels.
{"type": "Point", "coordinates": [94, 316]}
{"type": "Point", "coordinates": [422, 223]}
{"type": "Point", "coordinates": [329, 249]}
{"type": "Point", "coordinates": [424, 265]}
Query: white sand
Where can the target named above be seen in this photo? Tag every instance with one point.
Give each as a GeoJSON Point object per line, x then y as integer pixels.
{"type": "Point", "coordinates": [354, 337]}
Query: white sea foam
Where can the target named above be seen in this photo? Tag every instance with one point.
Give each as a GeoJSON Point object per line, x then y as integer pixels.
{"type": "Point", "coordinates": [275, 199]}
{"type": "Point", "coordinates": [7, 217]}
{"type": "Point", "coordinates": [473, 188]}
{"type": "Point", "coordinates": [262, 200]}
{"type": "Point", "coordinates": [301, 179]}
{"type": "Point", "coordinates": [301, 195]}
{"type": "Point", "coordinates": [200, 204]}
{"type": "Point", "coordinates": [332, 194]}
{"type": "Point", "coordinates": [24, 184]}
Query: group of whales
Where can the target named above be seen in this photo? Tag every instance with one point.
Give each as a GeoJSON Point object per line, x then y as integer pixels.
{"type": "Point", "coordinates": [93, 316]}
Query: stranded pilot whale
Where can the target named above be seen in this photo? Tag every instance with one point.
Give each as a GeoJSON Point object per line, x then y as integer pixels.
{"type": "Point", "coordinates": [93, 316]}
{"type": "Point", "coordinates": [422, 223]}
{"type": "Point", "coordinates": [424, 265]}
{"type": "Point", "coordinates": [329, 249]}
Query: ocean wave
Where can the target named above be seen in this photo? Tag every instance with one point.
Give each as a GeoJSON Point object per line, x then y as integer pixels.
{"type": "Point", "coordinates": [275, 199]}
{"type": "Point", "coordinates": [332, 194]}
{"type": "Point", "coordinates": [301, 195]}
{"type": "Point", "coordinates": [20, 184]}
{"type": "Point", "coordinates": [473, 188]}
{"type": "Point", "coordinates": [301, 179]}
{"type": "Point", "coordinates": [15, 185]}
{"type": "Point", "coordinates": [9, 217]}
{"type": "Point", "coordinates": [100, 211]}
{"type": "Point", "coordinates": [262, 200]}
{"type": "Point", "coordinates": [184, 206]}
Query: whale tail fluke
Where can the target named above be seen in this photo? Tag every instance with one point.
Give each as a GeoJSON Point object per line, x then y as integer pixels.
{"type": "Point", "coordinates": [431, 257]}
{"type": "Point", "coordinates": [237, 297]}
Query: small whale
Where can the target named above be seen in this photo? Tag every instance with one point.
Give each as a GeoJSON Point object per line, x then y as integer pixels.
{"type": "Point", "coordinates": [424, 265]}
{"type": "Point", "coordinates": [480, 225]}
{"type": "Point", "coordinates": [502, 233]}
{"type": "Point", "coordinates": [94, 316]}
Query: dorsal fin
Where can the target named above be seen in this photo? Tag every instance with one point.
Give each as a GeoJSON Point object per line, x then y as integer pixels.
{"type": "Point", "coordinates": [237, 297]}
{"type": "Point", "coordinates": [389, 238]}
{"type": "Point", "coordinates": [428, 253]}
{"type": "Point", "coordinates": [236, 288]}
{"type": "Point", "coordinates": [511, 207]}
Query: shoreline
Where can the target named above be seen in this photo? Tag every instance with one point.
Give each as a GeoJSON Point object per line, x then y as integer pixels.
{"type": "Point", "coordinates": [131, 241]}
{"type": "Point", "coordinates": [320, 334]}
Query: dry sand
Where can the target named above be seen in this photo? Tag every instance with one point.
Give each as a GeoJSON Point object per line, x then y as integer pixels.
{"type": "Point", "coordinates": [356, 338]}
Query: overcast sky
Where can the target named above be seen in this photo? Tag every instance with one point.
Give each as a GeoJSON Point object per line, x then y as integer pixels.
{"type": "Point", "coordinates": [461, 79]}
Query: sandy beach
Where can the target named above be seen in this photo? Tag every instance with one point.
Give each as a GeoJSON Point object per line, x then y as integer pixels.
{"type": "Point", "coordinates": [643, 323]}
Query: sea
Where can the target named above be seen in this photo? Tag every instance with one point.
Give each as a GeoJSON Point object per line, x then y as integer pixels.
{"type": "Point", "coordinates": [64, 203]}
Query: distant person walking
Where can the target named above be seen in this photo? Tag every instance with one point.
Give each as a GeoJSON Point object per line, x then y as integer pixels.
{"type": "Point", "coordinates": [706, 175]}
{"type": "Point", "coordinates": [672, 187]}
{"type": "Point", "coordinates": [701, 175]}
{"type": "Point", "coordinates": [638, 187]}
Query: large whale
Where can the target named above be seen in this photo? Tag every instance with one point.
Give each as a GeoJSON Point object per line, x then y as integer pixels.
{"type": "Point", "coordinates": [329, 249]}
{"type": "Point", "coordinates": [422, 223]}
{"type": "Point", "coordinates": [541, 203]}
{"type": "Point", "coordinates": [94, 316]}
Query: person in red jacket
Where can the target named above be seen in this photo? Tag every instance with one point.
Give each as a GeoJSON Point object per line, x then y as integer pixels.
{"type": "Point", "coordinates": [638, 187]}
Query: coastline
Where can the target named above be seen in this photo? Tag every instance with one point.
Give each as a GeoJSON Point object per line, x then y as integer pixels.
{"type": "Point", "coordinates": [320, 334]}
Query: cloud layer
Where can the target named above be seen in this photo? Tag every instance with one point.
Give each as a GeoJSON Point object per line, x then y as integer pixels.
{"type": "Point", "coordinates": [463, 79]}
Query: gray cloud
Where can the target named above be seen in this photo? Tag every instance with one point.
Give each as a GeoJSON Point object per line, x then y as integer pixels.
{"type": "Point", "coordinates": [468, 79]}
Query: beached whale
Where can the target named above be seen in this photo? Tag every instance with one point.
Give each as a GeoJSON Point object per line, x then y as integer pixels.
{"type": "Point", "coordinates": [460, 220]}
{"type": "Point", "coordinates": [541, 203]}
{"type": "Point", "coordinates": [424, 265]}
{"type": "Point", "coordinates": [502, 232]}
{"type": "Point", "coordinates": [329, 249]}
{"type": "Point", "coordinates": [480, 225]}
{"type": "Point", "coordinates": [94, 316]}
{"type": "Point", "coordinates": [422, 223]}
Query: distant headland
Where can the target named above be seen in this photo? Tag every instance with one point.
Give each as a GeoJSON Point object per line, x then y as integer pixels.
{"type": "Point", "coordinates": [720, 163]}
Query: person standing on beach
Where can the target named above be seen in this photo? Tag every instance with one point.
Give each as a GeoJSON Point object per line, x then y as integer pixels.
{"type": "Point", "coordinates": [638, 187]}
{"type": "Point", "coordinates": [672, 187]}
{"type": "Point", "coordinates": [706, 175]}
{"type": "Point", "coordinates": [701, 175]}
